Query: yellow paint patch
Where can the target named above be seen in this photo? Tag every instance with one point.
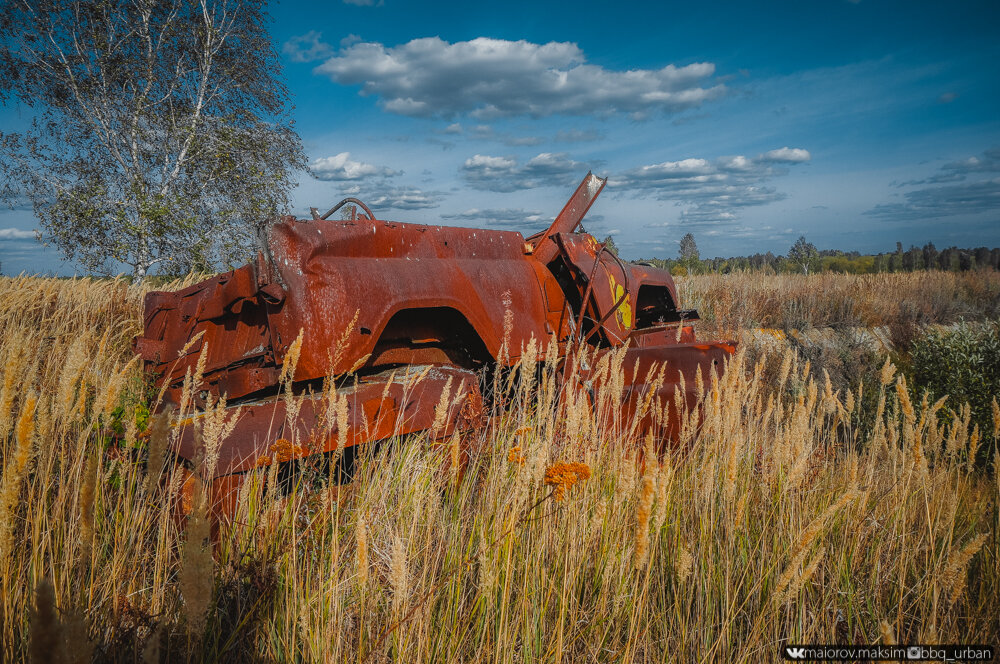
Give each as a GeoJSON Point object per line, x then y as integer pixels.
{"type": "Point", "coordinates": [624, 312]}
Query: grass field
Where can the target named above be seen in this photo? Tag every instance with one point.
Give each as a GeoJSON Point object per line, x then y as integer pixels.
{"type": "Point", "coordinates": [805, 510]}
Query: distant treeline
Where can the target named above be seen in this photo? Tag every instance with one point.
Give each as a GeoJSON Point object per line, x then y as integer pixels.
{"type": "Point", "coordinates": [928, 257]}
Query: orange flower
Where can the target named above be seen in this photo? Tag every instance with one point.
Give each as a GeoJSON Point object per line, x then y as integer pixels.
{"type": "Point", "coordinates": [263, 461]}
{"type": "Point", "coordinates": [284, 450]}
{"type": "Point", "coordinates": [562, 476]}
{"type": "Point", "coordinates": [515, 456]}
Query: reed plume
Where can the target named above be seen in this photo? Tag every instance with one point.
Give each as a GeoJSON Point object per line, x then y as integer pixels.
{"type": "Point", "coordinates": [645, 504]}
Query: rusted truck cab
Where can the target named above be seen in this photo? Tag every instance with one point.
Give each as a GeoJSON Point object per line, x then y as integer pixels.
{"type": "Point", "coordinates": [376, 300]}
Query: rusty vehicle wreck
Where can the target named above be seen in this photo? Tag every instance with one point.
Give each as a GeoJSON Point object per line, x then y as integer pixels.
{"type": "Point", "coordinates": [365, 307]}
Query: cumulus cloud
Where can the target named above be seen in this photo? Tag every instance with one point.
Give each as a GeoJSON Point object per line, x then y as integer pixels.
{"type": "Point", "coordinates": [508, 174]}
{"type": "Point", "coordinates": [488, 77]}
{"type": "Point", "coordinates": [16, 234]}
{"type": "Point", "coordinates": [341, 167]}
{"type": "Point", "coordinates": [715, 190]}
{"type": "Point", "coordinates": [971, 193]}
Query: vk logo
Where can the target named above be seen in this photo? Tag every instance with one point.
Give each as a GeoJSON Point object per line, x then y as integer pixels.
{"type": "Point", "coordinates": [795, 653]}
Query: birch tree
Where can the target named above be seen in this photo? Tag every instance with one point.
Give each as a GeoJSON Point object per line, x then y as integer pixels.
{"type": "Point", "coordinates": [160, 136]}
{"type": "Point", "coordinates": [804, 254]}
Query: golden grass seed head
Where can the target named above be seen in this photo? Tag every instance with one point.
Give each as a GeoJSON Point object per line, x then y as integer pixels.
{"type": "Point", "coordinates": [974, 438]}
{"type": "Point", "coordinates": [684, 564]}
{"type": "Point", "coordinates": [663, 482]}
{"type": "Point", "coordinates": [343, 424]}
{"type": "Point", "coordinates": [441, 409]}
{"type": "Point", "coordinates": [398, 573]}
{"type": "Point", "coordinates": [888, 634]}
{"type": "Point", "coordinates": [644, 508]}
{"type": "Point", "coordinates": [786, 367]}
{"type": "Point", "coordinates": [14, 472]}
{"type": "Point", "coordinates": [455, 456]}
{"type": "Point", "coordinates": [953, 577]}
{"type": "Point", "coordinates": [361, 544]}
{"type": "Point", "coordinates": [887, 373]}
{"type": "Point", "coordinates": [88, 494]}
{"type": "Point", "coordinates": [906, 406]}
{"type": "Point", "coordinates": [807, 573]}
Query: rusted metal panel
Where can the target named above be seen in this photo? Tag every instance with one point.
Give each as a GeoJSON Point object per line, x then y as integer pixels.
{"type": "Point", "coordinates": [389, 404]}
{"type": "Point", "coordinates": [222, 314]}
{"type": "Point", "coordinates": [375, 269]}
{"type": "Point", "coordinates": [568, 218]}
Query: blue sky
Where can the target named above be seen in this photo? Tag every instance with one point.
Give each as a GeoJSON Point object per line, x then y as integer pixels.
{"type": "Point", "coordinates": [856, 124]}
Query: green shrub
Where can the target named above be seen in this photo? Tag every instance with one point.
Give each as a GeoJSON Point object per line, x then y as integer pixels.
{"type": "Point", "coordinates": [963, 363]}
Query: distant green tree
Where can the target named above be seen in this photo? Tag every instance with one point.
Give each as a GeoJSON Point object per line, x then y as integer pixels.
{"type": "Point", "coordinates": [930, 256]}
{"type": "Point", "coordinates": [982, 255]}
{"type": "Point", "coordinates": [688, 252]}
{"type": "Point", "coordinates": [949, 259]}
{"type": "Point", "coordinates": [610, 245]}
{"type": "Point", "coordinates": [804, 254]}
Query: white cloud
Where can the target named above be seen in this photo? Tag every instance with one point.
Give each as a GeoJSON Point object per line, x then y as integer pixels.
{"type": "Point", "coordinates": [714, 190]}
{"type": "Point", "coordinates": [341, 167]}
{"type": "Point", "coordinates": [16, 234]}
{"type": "Point", "coordinates": [786, 155]}
{"type": "Point", "coordinates": [506, 174]}
{"type": "Point", "coordinates": [488, 77]}
{"type": "Point", "coordinates": [481, 166]}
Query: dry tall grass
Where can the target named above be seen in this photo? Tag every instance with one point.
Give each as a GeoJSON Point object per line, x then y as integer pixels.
{"type": "Point", "coordinates": [793, 301]}
{"type": "Point", "coordinates": [780, 521]}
